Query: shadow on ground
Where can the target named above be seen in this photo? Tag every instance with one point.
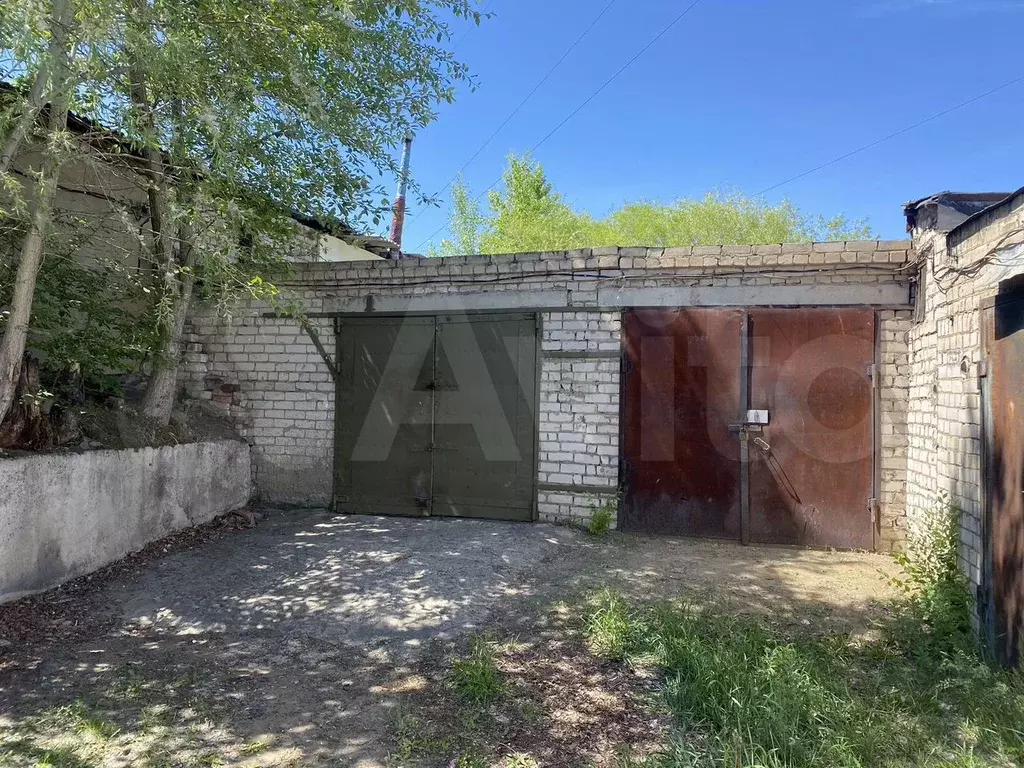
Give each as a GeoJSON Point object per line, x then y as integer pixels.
{"type": "Point", "coordinates": [296, 643]}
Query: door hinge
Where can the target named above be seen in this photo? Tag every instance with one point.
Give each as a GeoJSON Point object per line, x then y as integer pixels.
{"type": "Point", "coordinates": [874, 508]}
{"type": "Point", "coordinates": [873, 375]}
{"type": "Point", "coordinates": [982, 369]}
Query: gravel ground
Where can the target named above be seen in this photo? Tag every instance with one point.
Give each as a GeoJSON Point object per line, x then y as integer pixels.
{"type": "Point", "coordinates": [299, 642]}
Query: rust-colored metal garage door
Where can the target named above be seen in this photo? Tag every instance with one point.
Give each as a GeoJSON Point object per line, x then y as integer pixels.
{"type": "Point", "coordinates": [753, 425]}
{"type": "Point", "coordinates": [812, 483]}
{"type": "Point", "coordinates": [1003, 388]}
{"type": "Point", "coordinates": [681, 380]}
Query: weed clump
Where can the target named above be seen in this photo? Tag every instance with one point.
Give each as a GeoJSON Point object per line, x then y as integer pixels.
{"type": "Point", "coordinates": [476, 677]}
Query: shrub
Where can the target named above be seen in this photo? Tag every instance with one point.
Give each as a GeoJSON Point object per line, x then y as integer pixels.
{"type": "Point", "coordinates": [935, 616]}
{"type": "Point", "coordinates": [601, 517]}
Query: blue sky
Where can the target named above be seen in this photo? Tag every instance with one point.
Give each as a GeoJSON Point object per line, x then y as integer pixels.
{"type": "Point", "coordinates": [740, 94]}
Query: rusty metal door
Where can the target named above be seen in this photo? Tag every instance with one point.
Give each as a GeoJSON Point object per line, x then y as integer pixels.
{"type": "Point", "coordinates": [695, 462]}
{"type": "Point", "coordinates": [681, 392]}
{"type": "Point", "coordinates": [811, 466]}
{"type": "Point", "coordinates": [1003, 390]}
{"type": "Point", "coordinates": [435, 416]}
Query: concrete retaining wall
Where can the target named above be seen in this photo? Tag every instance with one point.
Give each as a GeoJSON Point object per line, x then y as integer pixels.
{"type": "Point", "coordinates": [64, 515]}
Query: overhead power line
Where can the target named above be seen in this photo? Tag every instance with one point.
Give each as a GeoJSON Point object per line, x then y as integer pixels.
{"type": "Point", "coordinates": [525, 99]}
{"type": "Point", "coordinates": [585, 102]}
{"type": "Point", "coordinates": [469, 29]}
{"type": "Point", "coordinates": [608, 82]}
{"type": "Point", "coordinates": [892, 135]}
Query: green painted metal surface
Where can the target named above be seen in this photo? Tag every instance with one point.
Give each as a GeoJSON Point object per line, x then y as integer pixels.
{"type": "Point", "coordinates": [435, 416]}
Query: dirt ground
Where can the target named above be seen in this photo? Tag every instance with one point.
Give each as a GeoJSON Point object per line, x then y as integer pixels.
{"type": "Point", "coordinates": [321, 640]}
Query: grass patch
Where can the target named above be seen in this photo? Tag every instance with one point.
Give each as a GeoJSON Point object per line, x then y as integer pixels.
{"type": "Point", "coordinates": [476, 677]}
{"type": "Point", "coordinates": [746, 694]}
{"type": "Point", "coordinates": [254, 747]}
{"type": "Point", "coordinates": [520, 760]}
{"type": "Point", "coordinates": [414, 740]}
{"type": "Point", "coordinates": [471, 759]}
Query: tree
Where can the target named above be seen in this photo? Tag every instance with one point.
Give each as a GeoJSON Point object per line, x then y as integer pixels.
{"type": "Point", "coordinates": [466, 221]}
{"type": "Point", "coordinates": [238, 112]}
{"type": "Point", "coordinates": [51, 76]}
{"type": "Point", "coordinates": [529, 215]}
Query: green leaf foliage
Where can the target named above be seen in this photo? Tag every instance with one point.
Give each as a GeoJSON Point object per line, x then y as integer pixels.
{"type": "Point", "coordinates": [232, 115]}
{"type": "Point", "coordinates": [528, 215]}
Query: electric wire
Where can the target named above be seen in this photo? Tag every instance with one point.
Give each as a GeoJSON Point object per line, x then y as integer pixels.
{"type": "Point", "coordinates": [584, 103]}
{"type": "Point", "coordinates": [892, 135]}
{"type": "Point", "coordinates": [522, 103]}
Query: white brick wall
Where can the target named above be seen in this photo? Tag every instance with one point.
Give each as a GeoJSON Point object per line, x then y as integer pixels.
{"type": "Point", "coordinates": [944, 420]}
{"type": "Point", "coordinates": [579, 414]}
{"type": "Point", "coordinates": [267, 375]}
{"type": "Point", "coordinates": [894, 395]}
{"type": "Point", "coordinates": [581, 332]}
{"type": "Point", "coordinates": [573, 508]}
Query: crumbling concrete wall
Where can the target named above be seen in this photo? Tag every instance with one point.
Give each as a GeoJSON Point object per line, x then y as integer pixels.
{"type": "Point", "coordinates": [66, 514]}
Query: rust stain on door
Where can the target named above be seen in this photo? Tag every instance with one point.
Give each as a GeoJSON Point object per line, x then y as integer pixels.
{"type": "Point", "coordinates": [1003, 329]}
{"type": "Point", "coordinates": [681, 387]}
{"type": "Point", "coordinates": [811, 473]}
{"type": "Point", "coordinates": [811, 466]}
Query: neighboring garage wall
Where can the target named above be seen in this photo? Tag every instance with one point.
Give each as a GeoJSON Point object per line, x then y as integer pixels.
{"type": "Point", "coordinates": [268, 377]}
{"type": "Point", "coordinates": [63, 515]}
{"type": "Point", "coordinates": [957, 273]}
{"type": "Point", "coordinates": [579, 415]}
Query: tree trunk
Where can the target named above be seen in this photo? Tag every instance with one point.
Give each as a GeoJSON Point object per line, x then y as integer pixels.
{"type": "Point", "coordinates": [158, 402]}
{"type": "Point", "coordinates": [13, 141]}
{"type": "Point", "coordinates": [25, 426]}
{"type": "Point", "coordinates": [12, 346]}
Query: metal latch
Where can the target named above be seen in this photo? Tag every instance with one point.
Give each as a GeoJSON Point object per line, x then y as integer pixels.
{"type": "Point", "coordinates": [755, 421]}
{"type": "Point", "coordinates": [758, 416]}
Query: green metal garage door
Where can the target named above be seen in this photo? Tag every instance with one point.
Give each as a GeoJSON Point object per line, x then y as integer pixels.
{"type": "Point", "coordinates": [436, 416]}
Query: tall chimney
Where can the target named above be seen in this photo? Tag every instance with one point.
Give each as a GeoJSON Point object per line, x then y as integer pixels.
{"type": "Point", "coordinates": [398, 210]}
